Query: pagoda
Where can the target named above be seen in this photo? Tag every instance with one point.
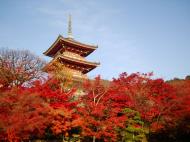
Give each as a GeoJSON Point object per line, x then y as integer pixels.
{"type": "Point", "coordinates": [71, 54]}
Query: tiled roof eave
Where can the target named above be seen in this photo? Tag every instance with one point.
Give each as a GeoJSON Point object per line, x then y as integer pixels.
{"type": "Point", "coordinates": [95, 64]}
{"type": "Point", "coordinates": [69, 41]}
{"type": "Point", "coordinates": [51, 47]}
{"type": "Point", "coordinates": [78, 43]}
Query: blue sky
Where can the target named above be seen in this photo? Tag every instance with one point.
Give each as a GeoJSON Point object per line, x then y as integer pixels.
{"type": "Point", "coordinates": [132, 35]}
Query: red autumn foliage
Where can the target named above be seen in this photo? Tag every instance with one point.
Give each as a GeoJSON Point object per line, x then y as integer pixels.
{"type": "Point", "coordinates": [63, 106]}
{"type": "Point", "coordinates": [99, 112]}
{"type": "Point", "coordinates": [182, 89]}
{"type": "Point", "coordinates": [153, 98]}
{"type": "Point", "coordinates": [22, 115]}
{"type": "Point", "coordinates": [26, 112]}
{"type": "Point", "coordinates": [53, 94]}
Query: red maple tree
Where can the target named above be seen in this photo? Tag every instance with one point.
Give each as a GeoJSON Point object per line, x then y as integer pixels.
{"type": "Point", "coordinates": [100, 113]}
{"type": "Point", "coordinates": [153, 98]}
{"type": "Point", "coordinates": [23, 115]}
{"type": "Point", "coordinates": [63, 106]}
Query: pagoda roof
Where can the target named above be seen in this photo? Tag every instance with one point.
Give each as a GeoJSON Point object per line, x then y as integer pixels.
{"type": "Point", "coordinates": [61, 41]}
{"type": "Point", "coordinates": [83, 63]}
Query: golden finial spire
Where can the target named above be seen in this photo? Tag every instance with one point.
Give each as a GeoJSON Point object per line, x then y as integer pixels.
{"type": "Point", "coordinates": [70, 27]}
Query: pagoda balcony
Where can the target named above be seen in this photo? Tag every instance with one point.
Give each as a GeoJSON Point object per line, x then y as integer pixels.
{"type": "Point", "coordinates": [73, 55]}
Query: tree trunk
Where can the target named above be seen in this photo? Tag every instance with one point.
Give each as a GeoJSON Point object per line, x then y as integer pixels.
{"type": "Point", "coordinates": [144, 139]}
{"type": "Point", "coordinates": [94, 139]}
{"type": "Point", "coordinates": [63, 140]}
